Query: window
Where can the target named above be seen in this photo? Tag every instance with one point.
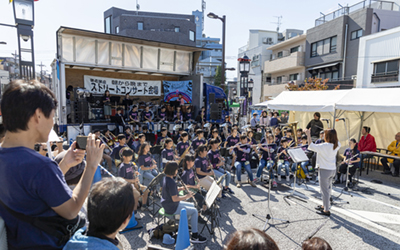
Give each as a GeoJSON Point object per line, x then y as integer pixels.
{"type": "Point", "coordinates": [293, 77]}
{"type": "Point", "coordinates": [280, 54]}
{"type": "Point", "coordinates": [176, 29]}
{"type": "Point", "coordinates": [117, 30]}
{"type": "Point", "coordinates": [323, 47]}
{"type": "Point", "coordinates": [279, 79]}
{"type": "Point", "coordinates": [191, 35]}
{"type": "Point", "coordinates": [295, 49]}
{"type": "Point", "coordinates": [386, 71]}
{"type": "Point", "coordinates": [140, 25]}
{"type": "Point", "coordinates": [107, 25]}
{"type": "Point", "coordinates": [356, 34]}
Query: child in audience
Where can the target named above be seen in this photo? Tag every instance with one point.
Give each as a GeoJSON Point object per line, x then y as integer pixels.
{"type": "Point", "coordinates": [251, 239]}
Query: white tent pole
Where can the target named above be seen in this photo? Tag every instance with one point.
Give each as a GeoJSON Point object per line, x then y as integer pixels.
{"type": "Point", "coordinates": [361, 125]}
{"type": "Point", "coordinates": [334, 117]}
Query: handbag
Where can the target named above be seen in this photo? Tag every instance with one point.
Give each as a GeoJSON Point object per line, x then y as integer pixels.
{"type": "Point", "coordinates": [56, 226]}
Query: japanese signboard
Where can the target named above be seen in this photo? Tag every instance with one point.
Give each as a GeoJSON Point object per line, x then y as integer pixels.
{"type": "Point", "coordinates": [98, 85]}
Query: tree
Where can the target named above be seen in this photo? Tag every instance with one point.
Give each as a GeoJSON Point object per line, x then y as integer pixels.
{"type": "Point", "coordinates": [310, 84]}
{"type": "Point", "coordinates": [217, 77]}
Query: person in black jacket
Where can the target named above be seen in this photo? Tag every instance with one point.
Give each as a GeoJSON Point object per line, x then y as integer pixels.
{"type": "Point", "coordinates": [315, 126]}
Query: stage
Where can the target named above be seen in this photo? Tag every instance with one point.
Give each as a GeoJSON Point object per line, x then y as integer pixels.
{"type": "Point", "coordinates": [371, 220]}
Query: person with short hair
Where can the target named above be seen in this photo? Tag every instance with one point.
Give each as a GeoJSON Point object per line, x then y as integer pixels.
{"type": "Point", "coordinates": [284, 159]}
{"type": "Point", "coordinates": [394, 149]}
{"type": "Point", "coordinates": [147, 166]}
{"type": "Point", "coordinates": [315, 126]}
{"type": "Point", "coordinates": [37, 183]}
{"type": "Point", "coordinates": [119, 120]}
{"type": "Point", "coordinates": [275, 120]}
{"type": "Point", "coordinates": [267, 148]}
{"type": "Point", "coordinates": [242, 152]}
{"type": "Point", "coordinates": [351, 160]}
{"type": "Point", "coordinates": [217, 164]}
{"type": "Point", "coordinates": [130, 172]}
{"type": "Point", "coordinates": [251, 239]}
{"type": "Point", "coordinates": [173, 203]}
{"type": "Point", "coordinates": [147, 117]}
{"type": "Point", "coordinates": [199, 140]}
{"type": "Point", "coordinates": [326, 162]}
{"type": "Point", "coordinates": [366, 143]}
{"type": "Point", "coordinates": [105, 221]}
{"type": "Point", "coordinates": [167, 153]}
{"type": "Point", "coordinates": [315, 243]}
{"type": "Point", "coordinates": [265, 119]}
{"type": "Point", "coordinates": [183, 144]}
{"type": "Point", "coordinates": [116, 153]}
{"type": "Point", "coordinates": [253, 121]}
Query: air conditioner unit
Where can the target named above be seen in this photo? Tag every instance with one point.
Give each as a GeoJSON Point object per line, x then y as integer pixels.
{"type": "Point", "coordinates": [354, 77]}
{"type": "Point", "coordinates": [269, 40]}
{"type": "Point", "coordinates": [265, 40]}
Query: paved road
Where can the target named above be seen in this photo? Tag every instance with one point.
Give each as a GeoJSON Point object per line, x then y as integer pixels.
{"type": "Point", "coordinates": [371, 220]}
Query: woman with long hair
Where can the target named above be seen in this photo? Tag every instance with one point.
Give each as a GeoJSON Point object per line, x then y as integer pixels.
{"type": "Point", "coordinates": [147, 168]}
{"type": "Point", "coordinates": [352, 159]}
{"type": "Point", "coordinates": [107, 104]}
{"type": "Point", "coordinates": [326, 164]}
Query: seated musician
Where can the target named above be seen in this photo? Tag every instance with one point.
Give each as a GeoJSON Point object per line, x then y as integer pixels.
{"type": "Point", "coordinates": [367, 143]}
{"type": "Point", "coordinates": [199, 140]}
{"type": "Point", "coordinates": [268, 150]}
{"type": "Point", "coordinates": [351, 160]}
{"type": "Point", "coordinates": [147, 117]}
{"type": "Point", "coordinates": [117, 150]}
{"type": "Point", "coordinates": [130, 172]}
{"type": "Point", "coordinates": [134, 116]}
{"type": "Point", "coordinates": [110, 138]}
{"type": "Point", "coordinates": [215, 136]}
{"type": "Point", "coordinates": [304, 164]}
{"type": "Point", "coordinates": [142, 139]}
{"type": "Point", "coordinates": [231, 141]}
{"type": "Point", "coordinates": [106, 156]}
{"type": "Point", "coordinates": [284, 159]}
{"type": "Point", "coordinates": [204, 170]}
{"type": "Point", "coordinates": [394, 149]}
{"type": "Point", "coordinates": [129, 136]}
{"type": "Point", "coordinates": [250, 138]}
{"type": "Point", "coordinates": [201, 118]}
{"type": "Point", "coordinates": [289, 137]}
{"type": "Point", "coordinates": [188, 115]}
{"type": "Point", "coordinates": [178, 116]}
{"type": "Point", "coordinates": [183, 144]}
{"type": "Point", "coordinates": [168, 153]}
{"type": "Point", "coordinates": [147, 166]}
{"type": "Point", "coordinates": [227, 120]}
{"type": "Point", "coordinates": [162, 115]}
{"type": "Point", "coordinates": [163, 136]}
{"type": "Point", "coordinates": [278, 135]}
{"type": "Point", "coordinates": [105, 221]}
{"type": "Point", "coordinates": [190, 179]}
{"type": "Point", "coordinates": [177, 136]}
{"type": "Point", "coordinates": [173, 203]}
{"type": "Point", "coordinates": [299, 134]}
{"type": "Point", "coordinates": [218, 164]}
{"type": "Point", "coordinates": [242, 152]}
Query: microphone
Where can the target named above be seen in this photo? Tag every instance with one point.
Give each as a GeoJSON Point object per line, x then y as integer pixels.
{"type": "Point", "coordinates": [341, 119]}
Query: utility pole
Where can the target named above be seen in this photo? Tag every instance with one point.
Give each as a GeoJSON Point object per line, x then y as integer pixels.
{"type": "Point", "coordinates": [41, 65]}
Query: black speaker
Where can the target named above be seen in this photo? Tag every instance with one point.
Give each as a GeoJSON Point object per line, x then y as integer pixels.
{"type": "Point", "coordinates": [81, 111]}
{"type": "Point", "coordinates": [211, 98]}
{"type": "Point", "coordinates": [214, 111]}
{"type": "Point", "coordinates": [96, 101]}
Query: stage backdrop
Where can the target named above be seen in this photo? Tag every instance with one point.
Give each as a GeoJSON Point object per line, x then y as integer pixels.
{"type": "Point", "coordinates": [98, 85]}
{"type": "Point", "coordinates": [173, 88]}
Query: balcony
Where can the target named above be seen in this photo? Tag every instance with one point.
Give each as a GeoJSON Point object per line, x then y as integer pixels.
{"type": "Point", "coordinates": [392, 76]}
{"type": "Point", "coordinates": [289, 62]}
{"type": "Point", "coordinates": [346, 10]}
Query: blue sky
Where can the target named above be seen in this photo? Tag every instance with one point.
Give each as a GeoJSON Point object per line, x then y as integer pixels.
{"type": "Point", "coordinates": [88, 14]}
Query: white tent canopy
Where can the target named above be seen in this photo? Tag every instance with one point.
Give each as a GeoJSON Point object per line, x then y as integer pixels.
{"type": "Point", "coordinates": [371, 100]}
{"type": "Point", "coordinates": [320, 100]}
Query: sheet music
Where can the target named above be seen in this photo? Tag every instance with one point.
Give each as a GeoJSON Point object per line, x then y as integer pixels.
{"type": "Point", "coordinates": [212, 194]}
{"type": "Point", "coordinates": [298, 155]}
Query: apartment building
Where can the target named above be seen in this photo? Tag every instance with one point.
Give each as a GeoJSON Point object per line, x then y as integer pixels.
{"type": "Point", "coordinates": [379, 57]}
{"type": "Point", "coordinates": [332, 46]}
{"type": "Point", "coordinates": [285, 65]}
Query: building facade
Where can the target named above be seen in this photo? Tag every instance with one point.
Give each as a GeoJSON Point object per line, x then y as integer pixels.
{"type": "Point", "coordinates": [379, 55]}
{"type": "Point", "coordinates": [162, 27]}
{"type": "Point", "coordinates": [286, 65]}
{"type": "Point", "coordinates": [332, 45]}
{"type": "Point", "coordinates": [257, 49]}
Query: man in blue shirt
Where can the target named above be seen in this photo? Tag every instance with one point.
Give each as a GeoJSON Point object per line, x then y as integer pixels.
{"type": "Point", "coordinates": [37, 183]}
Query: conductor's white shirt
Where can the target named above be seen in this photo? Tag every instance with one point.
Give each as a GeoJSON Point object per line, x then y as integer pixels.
{"type": "Point", "coordinates": [326, 155]}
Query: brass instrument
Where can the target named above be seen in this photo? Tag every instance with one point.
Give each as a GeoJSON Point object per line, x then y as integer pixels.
{"type": "Point", "coordinates": [293, 126]}
{"type": "Point", "coordinates": [105, 142]}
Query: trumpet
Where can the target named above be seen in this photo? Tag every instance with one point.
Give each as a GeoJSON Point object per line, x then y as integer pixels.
{"type": "Point", "coordinates": [105, 143]}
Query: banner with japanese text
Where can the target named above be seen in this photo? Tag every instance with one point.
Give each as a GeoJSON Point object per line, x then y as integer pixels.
{"type": "Point", "coordinates": [172, 89]}
{"type": "Point", "coordinates": [98, 85]}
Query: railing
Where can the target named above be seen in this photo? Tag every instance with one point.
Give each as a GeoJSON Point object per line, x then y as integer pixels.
{"type": "Point", "coordinates": [392, 76]}
{"type": "Point", "coordinates": [383, 5]}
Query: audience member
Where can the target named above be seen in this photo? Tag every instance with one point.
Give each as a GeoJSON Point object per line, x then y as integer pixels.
{"type": "Point", "coordinates": [251, 239]}
{"type": "Point", "coordinates": [316, 243]}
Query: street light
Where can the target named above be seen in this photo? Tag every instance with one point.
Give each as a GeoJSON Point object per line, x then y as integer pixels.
{"type": "Point", "coordinates": [24, 21]}
{"type": "Point", "coordinates": [223, 19]}
{"type": "Point", "coordinates": [244, 69]}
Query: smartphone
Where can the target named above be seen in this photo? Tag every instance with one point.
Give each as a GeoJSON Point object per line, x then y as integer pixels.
{"type": "Point", "coordinates": [81, 142]}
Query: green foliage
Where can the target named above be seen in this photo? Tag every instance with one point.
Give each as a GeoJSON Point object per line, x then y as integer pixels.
{"type": "Point", "coordinates": [310, 84]}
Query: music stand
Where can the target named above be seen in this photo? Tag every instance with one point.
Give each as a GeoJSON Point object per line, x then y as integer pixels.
{"type": "Point", "coordinates": [152, 185]}
{"type": "Point", "coordinates": [268, 217]}
{"type": "Point", "coordinates": [298, 156]}
{"type": "Point", "coordinates": [210, 198]}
